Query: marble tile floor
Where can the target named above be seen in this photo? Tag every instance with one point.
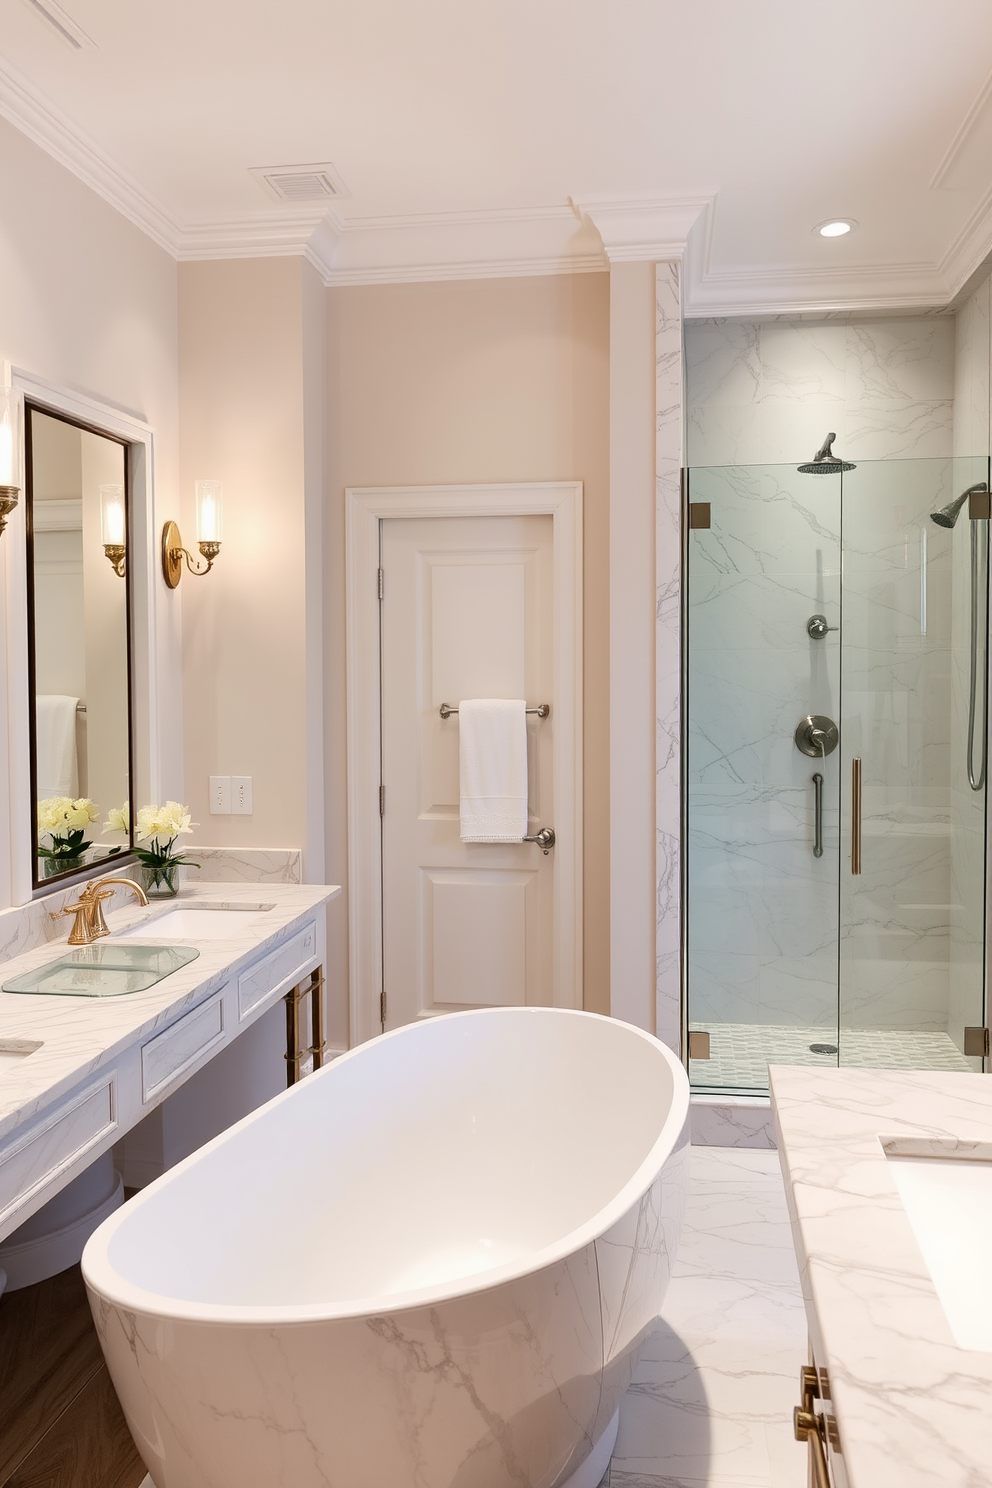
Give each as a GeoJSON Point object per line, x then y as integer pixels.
{"type": "Point", "coordinates": [740, 1053]}
{"type": "Point", "coordinates": [710, 1404]}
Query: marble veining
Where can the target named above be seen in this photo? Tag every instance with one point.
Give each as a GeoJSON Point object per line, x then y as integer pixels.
{"type": "Point", "coordinates": [710, 1403]}
{"type": "Point", "coordinates": [668, 648]}
{"type": "Point", "coordinates": [912, 1407]}
{"type": "Point", "coordinates": [247, 864]}
{"type": "Point", "coordinates": [80, 1035]}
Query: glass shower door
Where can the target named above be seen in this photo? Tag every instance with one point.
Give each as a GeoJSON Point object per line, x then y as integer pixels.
{"type": "Point", "coordinates": [761, 841]}
{"type": "Point", "coordinates": [912, 860]}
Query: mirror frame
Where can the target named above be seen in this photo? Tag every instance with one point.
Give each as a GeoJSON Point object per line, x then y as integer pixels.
{"type": "Point", "coordinates": [123, 854]}
{"type": "Point", "coordinates": [156, 643]}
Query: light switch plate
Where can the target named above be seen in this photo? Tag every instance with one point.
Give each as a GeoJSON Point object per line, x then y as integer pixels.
{"type": "Point", "coordinates": [220, 795]}
{"type": "Point", "coordinates": [241, 803]}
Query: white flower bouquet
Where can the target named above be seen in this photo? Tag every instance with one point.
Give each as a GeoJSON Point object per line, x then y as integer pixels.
{"type": "Point", "coordinates": [158, 828]}
{"type": "Point", "coordinates": [64, 822]}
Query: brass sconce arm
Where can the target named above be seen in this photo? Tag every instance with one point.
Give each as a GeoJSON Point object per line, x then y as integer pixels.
{"type": "Point", "coordinates": [117, 554]}
{"type": "Point", "coordinates": [8, 500]}
{"type": "Point", "coordinates": [173, 554]}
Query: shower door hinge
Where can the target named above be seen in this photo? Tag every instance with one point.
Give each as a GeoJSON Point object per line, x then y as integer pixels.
{"type": "Point", "coordinates": [976, 1043]}
{"type": "Point", "coordinates": [382, 1008]}
{"type": "Point", "coordinates": [699, 1045]}
{"type": "Point", "coordinates": [699, 515]}
{"type": "Point", "coordinates": [381, 577]}
{"type": "Point", "coordinates": [382, 800]}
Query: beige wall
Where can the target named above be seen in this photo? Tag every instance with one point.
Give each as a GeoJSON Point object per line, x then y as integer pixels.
{"type": "Point", "coordinates": [481, 380]}
{"type": "Point", "coordinates": [88, 303]}
{"type": "Point", "coordinates": [241, 364]}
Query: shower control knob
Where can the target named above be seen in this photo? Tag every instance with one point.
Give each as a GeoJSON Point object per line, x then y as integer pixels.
{"type": "Point", "coordinates": [817, 627]}
{"type": "Point", "coordinates": [816, 735]}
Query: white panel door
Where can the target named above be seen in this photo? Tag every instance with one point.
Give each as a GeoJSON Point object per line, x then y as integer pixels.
{"type": "Point", "coordinates": [467, 611]}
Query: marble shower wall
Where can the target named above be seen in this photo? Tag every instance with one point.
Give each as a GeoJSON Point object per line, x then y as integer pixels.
{"type": "Point", "coordinates": [767, 393]}
{"type": "Point", "coordinates": [764, 938]}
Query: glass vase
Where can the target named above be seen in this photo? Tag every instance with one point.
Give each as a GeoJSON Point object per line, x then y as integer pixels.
{"type": "Point", "coordinates": [63, 863]}
{"type": "Point", "coordinates": [160, 880]}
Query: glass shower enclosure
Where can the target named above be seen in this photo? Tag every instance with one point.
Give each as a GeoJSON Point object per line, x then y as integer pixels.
{"type": "Point", "coordinates": [835, 789]}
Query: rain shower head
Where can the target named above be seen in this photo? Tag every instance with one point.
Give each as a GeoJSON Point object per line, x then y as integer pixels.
{"type": "Point", "coordinates": [947, 515]}
{"type": "Point", "coordinates": [824, 462]}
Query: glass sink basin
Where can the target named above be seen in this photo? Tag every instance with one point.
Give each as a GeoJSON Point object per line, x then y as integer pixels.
{"type": "Point", "coordinates": [948, 1202]}
{"type": "Point", "coordinates": [107, 970]}
{"type": "Point", "coordinates": [193, 922]}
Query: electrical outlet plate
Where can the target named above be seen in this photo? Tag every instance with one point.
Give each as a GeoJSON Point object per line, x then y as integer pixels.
{"type": "Point", "coordinates": [241, 803]}
{"type": "Point", "coordinates": [220, 795]}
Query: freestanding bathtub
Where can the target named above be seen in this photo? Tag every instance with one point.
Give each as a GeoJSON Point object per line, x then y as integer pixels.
{"type": "Point", "coordinates": [429, 1265]}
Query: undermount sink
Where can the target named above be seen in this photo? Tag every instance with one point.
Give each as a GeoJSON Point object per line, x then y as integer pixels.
{"type": "Point", "coordinates": [12, 1051]}
{"type": "Point", "coordinates": [105, 970]}
{"type": "Point", "coordinates": [196, 922]}
{"type": "Point", "coordinates": [948, 1202]}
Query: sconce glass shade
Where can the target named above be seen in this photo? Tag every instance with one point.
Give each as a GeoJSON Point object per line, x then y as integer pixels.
{"type": "Point", "coordinates": [112, 520]}
{"type": "Point", "coordinates": [10, 451]}
{"type": "Point", "coordinates": [209, 495]}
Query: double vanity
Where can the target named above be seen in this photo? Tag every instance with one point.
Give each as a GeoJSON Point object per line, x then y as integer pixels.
{"type": "Point", "coordinates": [888, 1175]}
{"type": "Point", "coordinates": [95, 1038]}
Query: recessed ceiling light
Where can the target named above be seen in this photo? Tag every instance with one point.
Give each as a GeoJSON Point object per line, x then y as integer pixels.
{"type": "Point", "coordinates": [835, 227]}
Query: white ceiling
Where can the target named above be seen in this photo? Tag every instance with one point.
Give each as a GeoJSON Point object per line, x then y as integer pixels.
{"type": "Point", "coordinates": [465, 129]}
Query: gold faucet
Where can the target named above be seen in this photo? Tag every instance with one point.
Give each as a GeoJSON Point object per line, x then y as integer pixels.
{"type": "Point", "coordinates": [88, 923]}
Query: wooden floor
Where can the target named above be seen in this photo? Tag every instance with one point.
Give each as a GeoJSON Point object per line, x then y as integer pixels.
{"type": "Point", "coordinates": [60, 1422]}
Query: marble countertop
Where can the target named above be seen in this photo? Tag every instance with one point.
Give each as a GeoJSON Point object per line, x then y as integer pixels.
{"type": "Point", "coordinates": [80, 1034]}
{"type": "Point", "coordinates": [913, 1408]}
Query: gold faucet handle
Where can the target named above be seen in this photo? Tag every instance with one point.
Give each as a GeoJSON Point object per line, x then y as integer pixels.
{"type": "Point", "coordinates": [80, 933]}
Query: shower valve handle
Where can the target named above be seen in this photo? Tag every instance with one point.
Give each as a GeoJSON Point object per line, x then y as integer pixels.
{"type": "Point", "coordinates": [817, 627]}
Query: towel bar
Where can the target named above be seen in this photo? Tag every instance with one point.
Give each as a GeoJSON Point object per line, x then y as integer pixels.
{"type": "Point", "coordinates": [544, 711]}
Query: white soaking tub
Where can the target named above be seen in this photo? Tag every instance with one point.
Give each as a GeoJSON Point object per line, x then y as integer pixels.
{"type": "Point", "coordinates": [429, 1265]}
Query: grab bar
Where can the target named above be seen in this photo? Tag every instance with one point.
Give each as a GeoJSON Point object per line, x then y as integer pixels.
{"type": "Point", "coordinates": [818, 815]}
{"type": "Point", "coordinates": [855, 816]}
{"type": "Point", "coordinates": [544, 711]}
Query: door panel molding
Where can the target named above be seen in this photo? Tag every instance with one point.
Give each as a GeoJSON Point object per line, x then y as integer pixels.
{"type": "Point", "coordinates": [365, 508]}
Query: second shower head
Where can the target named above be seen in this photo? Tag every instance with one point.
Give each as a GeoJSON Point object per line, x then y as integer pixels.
{"type": "Point", "coordinates": [946, 516]}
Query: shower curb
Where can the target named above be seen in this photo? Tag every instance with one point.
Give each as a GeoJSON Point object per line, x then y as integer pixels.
{"type": "Point", "coordinates": [731, 1121]}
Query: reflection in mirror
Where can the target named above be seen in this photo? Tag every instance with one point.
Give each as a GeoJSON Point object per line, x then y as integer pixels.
{"type": "Point", "coordinates": [78, 641]}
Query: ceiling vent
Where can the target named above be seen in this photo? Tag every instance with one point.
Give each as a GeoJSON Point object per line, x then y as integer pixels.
{"type": "Point", "coordinates": [300, 183]}
{"type": "Point", "coordinates": [65, 28]}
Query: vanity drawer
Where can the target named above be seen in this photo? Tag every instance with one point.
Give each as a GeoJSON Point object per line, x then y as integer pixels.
{"type": "Point", "coordinates": [170, 1053]}
{"type": "Point", "coordinates": [54, 1144]}
{"type": "Point", "coordinates": [286, 964]}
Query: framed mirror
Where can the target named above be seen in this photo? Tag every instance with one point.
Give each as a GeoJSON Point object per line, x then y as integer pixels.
{"type": "Point", "coordinates": [79, 650]}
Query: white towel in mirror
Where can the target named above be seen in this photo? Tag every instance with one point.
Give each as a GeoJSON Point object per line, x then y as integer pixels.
{"type": "Point", "coordinates": [55, 720]}
{"type": "Point", "coordinates": [492, 757]}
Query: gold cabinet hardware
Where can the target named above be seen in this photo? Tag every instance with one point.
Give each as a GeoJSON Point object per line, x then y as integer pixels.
{"type": "Point", "coordinates": [312, 987]}
{"type": "Point", "coordinates": [855, 816]}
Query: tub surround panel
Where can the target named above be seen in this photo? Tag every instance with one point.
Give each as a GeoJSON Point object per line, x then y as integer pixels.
{"type": "Point", "coordinates": [726, 1121]}
{"type": "Point", "coordinates": [668, 649]}
{"type": "Point", "coordinates": [912, 1407]}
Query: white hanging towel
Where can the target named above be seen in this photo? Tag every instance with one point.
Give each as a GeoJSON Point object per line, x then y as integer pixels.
{"type": "Point", "coordinates": [55, 728]}
{"type": "Point", "coordinates": [492, 754]}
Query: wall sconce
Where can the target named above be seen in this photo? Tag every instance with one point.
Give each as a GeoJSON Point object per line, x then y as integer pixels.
{"type": "Point", "coordinates": [208, 535]}
{"type": "Point", "coordinates": [113, 527]}
{"type": "Point", "coordinates": [10, 447]}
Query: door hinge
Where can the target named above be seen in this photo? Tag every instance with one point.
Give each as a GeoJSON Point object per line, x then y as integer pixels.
{"type": "Point", "coordinates": [381, 582]}
{"type": "Point", "coordinates": [382, 1008]}
{"type": "Point", "coordinates": [382, 800]}
{"type": "Point", "coordinates": [976, 1043]}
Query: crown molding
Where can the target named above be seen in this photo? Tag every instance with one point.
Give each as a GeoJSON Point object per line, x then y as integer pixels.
{"type": "Point", "coordinates": [34, 115]}
{"type": "Point", "coordinates": [585, 237]}
{"type": "Point", "coordinates": [637, 229]}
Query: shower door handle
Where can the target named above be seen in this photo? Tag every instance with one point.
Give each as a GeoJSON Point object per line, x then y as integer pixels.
{"type": "Point", "coordinates": [818, 815]}
{"type": "Point", "coordinates": [855, 816]}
